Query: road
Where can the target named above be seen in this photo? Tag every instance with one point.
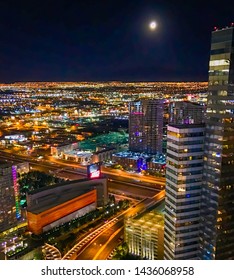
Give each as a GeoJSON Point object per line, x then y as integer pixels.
{"type": "Point", "coordinates": [102, 244]}
{"type": "Point", "coordinates": [99, 245]}
{"type": "Point", "coordinates": [119, 182]}
{"type": "Point", "coordinates": [108, 239]}
{"type": "Point", "coordinates": [70, 167]}
{"type": "Point", "coordinates": [131, 189]}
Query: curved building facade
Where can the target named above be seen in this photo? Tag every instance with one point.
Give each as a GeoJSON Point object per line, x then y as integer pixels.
{"type": "Point", "coordinates": [51, 206]}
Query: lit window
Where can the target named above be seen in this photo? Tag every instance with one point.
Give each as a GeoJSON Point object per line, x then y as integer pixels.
{"type": "Point", "coordinates": [219, 62]}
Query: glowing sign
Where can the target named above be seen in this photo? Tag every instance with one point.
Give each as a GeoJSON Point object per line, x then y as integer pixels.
{"type": "Point", "coordinates": [94, 170]}
{"type": "Point", "coordinates": [95, 174]}
{"type": "Point", "coordinates": [16, 192]}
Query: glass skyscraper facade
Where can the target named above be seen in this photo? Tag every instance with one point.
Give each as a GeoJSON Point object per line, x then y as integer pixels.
{"type": "Point", "coordinates": [217, 204]}
{"type": "Point", "coordinates": [185, 112]}
{"type": "Point", "coordinates": [146, 126]}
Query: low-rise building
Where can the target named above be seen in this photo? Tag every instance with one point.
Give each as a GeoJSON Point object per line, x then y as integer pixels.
{"type": "Point", "coordinates": [51, 206]}
{"type": "Point", "coordinates": [65, 148]}
{"type": "Point", "coordinates": [144, 235]}
{"type": "Point", "coordinates": [103, 155]}
{"type": "Point", "coordinates": [81, 157]}
{"type": "Point", "coordinates": [140, 161]}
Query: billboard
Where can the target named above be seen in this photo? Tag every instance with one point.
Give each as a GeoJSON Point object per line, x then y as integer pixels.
{"type": "Point", "coordinates": [94, 170]}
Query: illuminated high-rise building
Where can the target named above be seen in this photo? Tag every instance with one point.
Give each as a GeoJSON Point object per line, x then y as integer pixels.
{"type": "Point", "coordinates": [185, 147]}
{"type": "Point", "coordinates": [9, 196]}
{"type": "Point", "coordinates": [186, 112]}
{"type": "Point", "coordinates": [217, 208]}
{"type": "Point", "coordinates": [146, 126]}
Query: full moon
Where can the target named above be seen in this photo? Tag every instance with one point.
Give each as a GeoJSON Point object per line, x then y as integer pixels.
{"type": "Point", "coordinates": [153, 25]}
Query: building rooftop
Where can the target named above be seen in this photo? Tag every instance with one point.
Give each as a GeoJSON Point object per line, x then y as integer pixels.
{"type": "Point", "coordinates": [181, 126]}
{"type": "Point", "coordinates": [57, 197]}
{"type": "Point", "coordinates": [104, 150]}
{"type": "Point", "coordinates": [60, 184]}
{"type": "Point", "coordinates": [52, 200]}
{"type": "Point", "coordinates": [151, 219]}
{"type": "Point", "coordinates": [158, 158]}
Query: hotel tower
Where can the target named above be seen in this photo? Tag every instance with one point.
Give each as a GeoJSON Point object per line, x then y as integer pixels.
{"type": "Point", "coordinates": [199, 204]}
{"type": "Point", "coordinates": [146, 126]}
{"type": "Point", "coordinates": [217, 207]}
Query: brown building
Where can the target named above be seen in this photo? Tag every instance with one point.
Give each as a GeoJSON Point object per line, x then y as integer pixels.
{"type": "Point", "coordinates": [52, 206]}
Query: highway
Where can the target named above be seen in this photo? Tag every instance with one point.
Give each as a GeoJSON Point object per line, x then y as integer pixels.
{"type": "Point", "coordinates": [119, 182]}
{"type": "Point", "coordinates": [54, 164]}
{"type": "Point", "coordinates": [99, 244]}
{"type": "Point", "coordinates": [103, 245]}
{"type": "Point", "coordinates": [131, 189]}
{"type": "Point", "coordinates": [142, 188]}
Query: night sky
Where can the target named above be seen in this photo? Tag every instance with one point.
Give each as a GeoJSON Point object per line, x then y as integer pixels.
{"type": "Point", "coordinates": [76, 40]}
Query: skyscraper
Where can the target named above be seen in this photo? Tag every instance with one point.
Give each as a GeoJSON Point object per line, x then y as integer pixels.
{"type": "Point", "coordinates": [146, 126]}
{"type": "Point", "coordinates": [9, 196]}
{"type": "Point", "coordinates": [183, 191]}
{"type": "Point", "coordinates": [185, 112]}
{"type": "Point", "coordinates": [217, 208]}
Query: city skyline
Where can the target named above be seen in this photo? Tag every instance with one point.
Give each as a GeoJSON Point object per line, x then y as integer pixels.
{"type": "Point", "coordinates": [116, 131]}
{"type": "Point", "coordinates": [61, 41]}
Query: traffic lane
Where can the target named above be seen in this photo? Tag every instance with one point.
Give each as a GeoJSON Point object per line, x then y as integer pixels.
{"type": "Point", "coordinates": [138, 176]}
{"type": "Point", "coordinates": [68, 175]}
{"type": "Point", "coordinates": [92, 248]}
{"type": "Point", "coordinates": [127, 189]}
{"type": "Point", "coordinates": [53, 164]}
{"type": "Point", "coordinates": [140, 181]}
{"type": "Point", "coordinates": [111, 244]}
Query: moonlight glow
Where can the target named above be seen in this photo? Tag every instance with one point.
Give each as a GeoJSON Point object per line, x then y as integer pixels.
{"type": "Point", "coordinates": [153, 25]}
